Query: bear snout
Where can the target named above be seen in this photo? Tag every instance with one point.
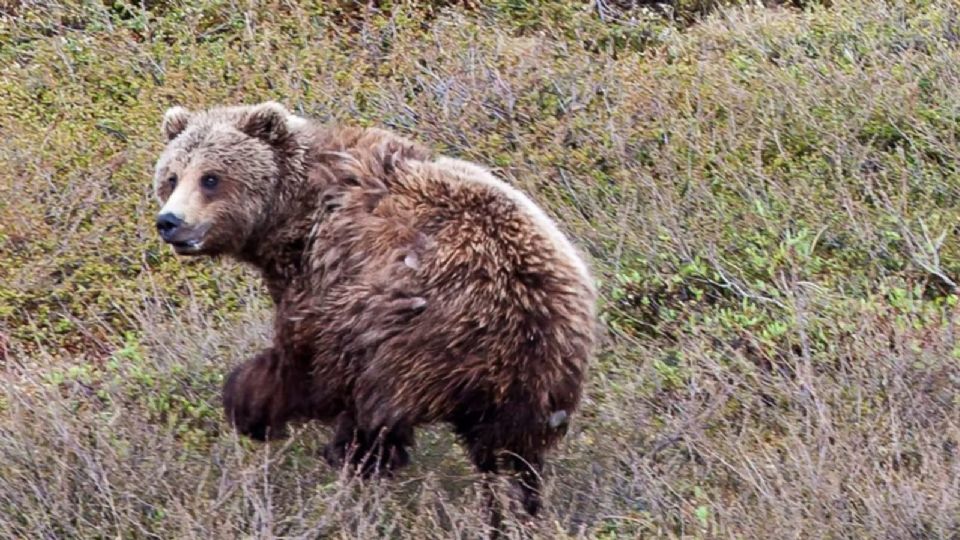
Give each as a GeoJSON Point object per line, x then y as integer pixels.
{"type": "Point", "coordinates": [184, 238]}
{"type": "Point", "coordinates": [168, 224]}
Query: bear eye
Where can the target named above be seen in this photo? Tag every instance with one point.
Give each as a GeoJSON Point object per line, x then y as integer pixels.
{"type": "Point", "coordinates": [172, 180]}
{"type": "Point", "coordinates": [209, 181]}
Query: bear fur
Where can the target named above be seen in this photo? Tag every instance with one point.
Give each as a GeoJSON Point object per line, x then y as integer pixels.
{"type": "Point", "coordinates": [409, 288]}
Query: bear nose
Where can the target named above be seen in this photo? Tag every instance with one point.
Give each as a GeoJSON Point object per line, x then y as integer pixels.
{"type": "Point", "coordinates": [167, 225]}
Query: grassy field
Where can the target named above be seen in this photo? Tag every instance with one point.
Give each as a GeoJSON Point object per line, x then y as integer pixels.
{"type": "Point", "coordinates": [769, 196]}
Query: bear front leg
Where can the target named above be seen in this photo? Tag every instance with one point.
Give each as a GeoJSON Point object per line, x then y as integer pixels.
{"type": "Point", "coordinates": [368, 452]}
{"type": "Point", "coordinates": [344, 440]}
{"type": "Point", "coordinates": [261, 395]}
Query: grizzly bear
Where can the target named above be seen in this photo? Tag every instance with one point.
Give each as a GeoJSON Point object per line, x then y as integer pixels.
{"type": "Point", "coordinates": [409, 288]}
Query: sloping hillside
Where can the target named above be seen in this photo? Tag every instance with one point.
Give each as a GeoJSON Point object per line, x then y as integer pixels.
{"type": "Point", "coordinates": [770, 198]}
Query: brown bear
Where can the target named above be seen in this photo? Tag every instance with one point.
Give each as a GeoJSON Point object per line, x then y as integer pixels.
{"type": "Point", "coordinates": [409, 288]}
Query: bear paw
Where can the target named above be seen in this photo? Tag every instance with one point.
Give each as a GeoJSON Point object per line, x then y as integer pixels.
{"type": "Point", "coordinates": [380, 460]}
{"type": "Point", "coordinates": [249, 401]}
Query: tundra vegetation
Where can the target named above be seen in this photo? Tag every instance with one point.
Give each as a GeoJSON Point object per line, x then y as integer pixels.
{"type": "Point", "coordinates": [769, 196]}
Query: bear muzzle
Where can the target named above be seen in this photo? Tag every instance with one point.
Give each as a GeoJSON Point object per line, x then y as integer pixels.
{"type": "Point", "coordinates": [181, 236]}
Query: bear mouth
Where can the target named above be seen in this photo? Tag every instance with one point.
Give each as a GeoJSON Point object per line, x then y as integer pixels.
{"type": "Point", "coordinates": [189, 241]}
{"type": "Point", "coordinates": [185, 247]}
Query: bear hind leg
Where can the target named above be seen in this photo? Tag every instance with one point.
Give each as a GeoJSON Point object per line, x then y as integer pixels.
{"type": "Point", "coordinates": [481, 445]}
{"type": "Point", "coordinates": [494, 452]}
{"type": "Point", "coordinates": [529, 470]}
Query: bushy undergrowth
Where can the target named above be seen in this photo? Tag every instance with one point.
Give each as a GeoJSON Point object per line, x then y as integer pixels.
{"type": "Point", "coordinates": [769, 197]}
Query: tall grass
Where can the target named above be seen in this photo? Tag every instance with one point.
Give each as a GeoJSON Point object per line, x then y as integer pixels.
{"type": "Point", "coordinates": [769, 197]}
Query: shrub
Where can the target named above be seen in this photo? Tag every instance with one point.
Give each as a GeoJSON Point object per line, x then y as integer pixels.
{"type": "Point", "coordinates": [768, 195]}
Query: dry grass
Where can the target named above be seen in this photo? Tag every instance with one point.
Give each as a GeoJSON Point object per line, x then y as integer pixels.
{"type": "Point", "coordinates": [770, 198]}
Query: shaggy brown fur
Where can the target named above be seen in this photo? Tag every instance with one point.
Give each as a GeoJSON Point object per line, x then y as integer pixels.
{"type": "Point", "coordinates": [409, 288]}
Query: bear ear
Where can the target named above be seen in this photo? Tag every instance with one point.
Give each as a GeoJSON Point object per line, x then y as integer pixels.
{"type": "Point", "coordinates": [175, 120]}
{"type": "Point", "coordinates": [267, 122]}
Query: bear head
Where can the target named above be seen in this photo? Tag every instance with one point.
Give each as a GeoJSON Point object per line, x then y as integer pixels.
{"type": "Point", "coordinates": [217, 178]}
